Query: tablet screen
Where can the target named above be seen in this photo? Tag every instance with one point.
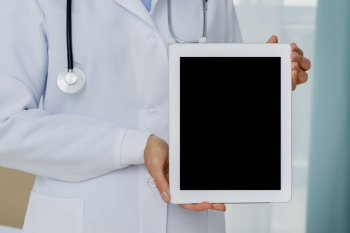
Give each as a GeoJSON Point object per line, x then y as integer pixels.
{"type": "Point", "coordinates": [230, 123]}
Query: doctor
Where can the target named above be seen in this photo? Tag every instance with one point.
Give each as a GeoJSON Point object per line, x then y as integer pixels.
{"type": "Point", "coordinates": [99, 165]}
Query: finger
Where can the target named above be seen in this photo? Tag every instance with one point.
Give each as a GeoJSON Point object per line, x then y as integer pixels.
{"type": "Point", "coordinates": [294, 79]}
{"type": "Point", "coordinates": [156, 170]}
{"type": "Point", "coordinates": [166, 170]}
{"type": "Point", "coordinates": [197, 207]}
{"type": "Point", "coordinates": [273, 39]}
{"type": "Point", "coordinates": [204, 206]}
{"type": "Point", "coordinates": [302, 77]}
{"type": "Point", "coordinates": [295, 48]}
{"type": "Point", "coordinates": [303, 62]}
{"type": "Point", "coordinates": [295, 66]}
{"type": "Point", "coordinates": [219, 207]}
{"type": "Point", "coordinates": [187, 206]}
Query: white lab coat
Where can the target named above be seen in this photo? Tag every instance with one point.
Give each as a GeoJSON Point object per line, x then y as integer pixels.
{"type": "Point", "coordinates": [87, 149]}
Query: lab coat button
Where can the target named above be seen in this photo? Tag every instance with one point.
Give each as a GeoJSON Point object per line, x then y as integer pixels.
{"type": "Point", "coordinates": [153, 37]}
{"type": "Point", "coordinates": [153, 112]}
{"type": "Point", "coordinates": [151, 183]}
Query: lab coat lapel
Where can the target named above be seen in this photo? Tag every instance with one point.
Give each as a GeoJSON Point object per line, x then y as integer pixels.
{"type": "Point", "coordinates": [137, 8]}
{"type": "Point", "coordinates": [153, 6]}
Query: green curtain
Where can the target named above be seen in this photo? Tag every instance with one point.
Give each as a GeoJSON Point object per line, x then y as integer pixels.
{"type": "Point", "coordinates": [329, 173]}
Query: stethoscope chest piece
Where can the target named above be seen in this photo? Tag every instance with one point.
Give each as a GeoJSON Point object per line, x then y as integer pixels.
{"type": "Point", "coordinates": [71, 81]}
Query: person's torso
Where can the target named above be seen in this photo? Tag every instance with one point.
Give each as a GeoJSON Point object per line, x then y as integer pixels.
{"type": "Point", "coordinates": [123, 51]}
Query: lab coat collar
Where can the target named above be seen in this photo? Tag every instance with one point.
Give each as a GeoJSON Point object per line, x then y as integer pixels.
{"type": "Point", "coordinates": [137, 8]}
{"type": "Point", "coordinates": [154, 2]}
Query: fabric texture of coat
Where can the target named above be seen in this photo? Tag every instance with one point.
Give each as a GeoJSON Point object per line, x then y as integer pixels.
{"type": "Point", "coordinates": [87, 149]}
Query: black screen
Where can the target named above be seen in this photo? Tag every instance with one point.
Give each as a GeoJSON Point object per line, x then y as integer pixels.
{"type": "Point", "coordinates": [230, 119]}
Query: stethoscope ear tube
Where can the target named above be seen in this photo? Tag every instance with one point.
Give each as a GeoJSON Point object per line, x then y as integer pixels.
{"type": "Point", "coordinates": [175, 39]}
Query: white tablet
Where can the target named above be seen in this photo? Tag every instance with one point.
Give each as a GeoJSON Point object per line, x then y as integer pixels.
{"type": "Point", "coordinates": [230, 123]}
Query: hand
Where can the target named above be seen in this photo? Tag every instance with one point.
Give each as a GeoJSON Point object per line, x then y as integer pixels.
{"type": "Point", "coordinates": [300, 64]}
{"type": "Point", "coordinates": [156, 157]}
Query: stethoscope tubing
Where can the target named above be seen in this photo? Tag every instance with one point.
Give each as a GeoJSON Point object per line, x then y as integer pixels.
{"type": "Point", "coordinates": [69, 36]}
{"type": "Point", "coordinates": [204, 24]}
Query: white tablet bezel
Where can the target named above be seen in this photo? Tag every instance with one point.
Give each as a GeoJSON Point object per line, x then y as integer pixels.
{"type": "Point", "coordinates": [229, 50]}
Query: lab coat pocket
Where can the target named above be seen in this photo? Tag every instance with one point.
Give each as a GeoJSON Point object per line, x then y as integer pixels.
{"type": "Point", "coordinates": [53, 215]}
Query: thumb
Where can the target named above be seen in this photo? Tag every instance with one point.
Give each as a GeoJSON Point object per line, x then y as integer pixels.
{"type": "Point", "coordinates": [158, 174]}
{"type": "Point", "coordinates": [273, 39]}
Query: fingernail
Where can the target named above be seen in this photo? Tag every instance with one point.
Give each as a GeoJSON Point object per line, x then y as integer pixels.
{"type": "Point", "coordinates": [165, 196]}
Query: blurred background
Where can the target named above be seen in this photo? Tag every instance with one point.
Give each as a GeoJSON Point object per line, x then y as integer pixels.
{"type": "Point", "coordinates": [291, 21]}
{"type": "Point", "coordinates": [320, 124]}
{"type": "Point", "coordinates": [320, 117]}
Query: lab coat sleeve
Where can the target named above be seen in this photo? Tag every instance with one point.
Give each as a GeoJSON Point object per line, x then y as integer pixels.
{"type": "Point", "coordinates": [68, 147]}
{"type": "Point", "coordinates": [233, 32]}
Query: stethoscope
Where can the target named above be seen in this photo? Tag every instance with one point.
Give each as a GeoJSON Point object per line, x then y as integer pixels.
{"type": "Point", "coordinates": [71, 80]}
